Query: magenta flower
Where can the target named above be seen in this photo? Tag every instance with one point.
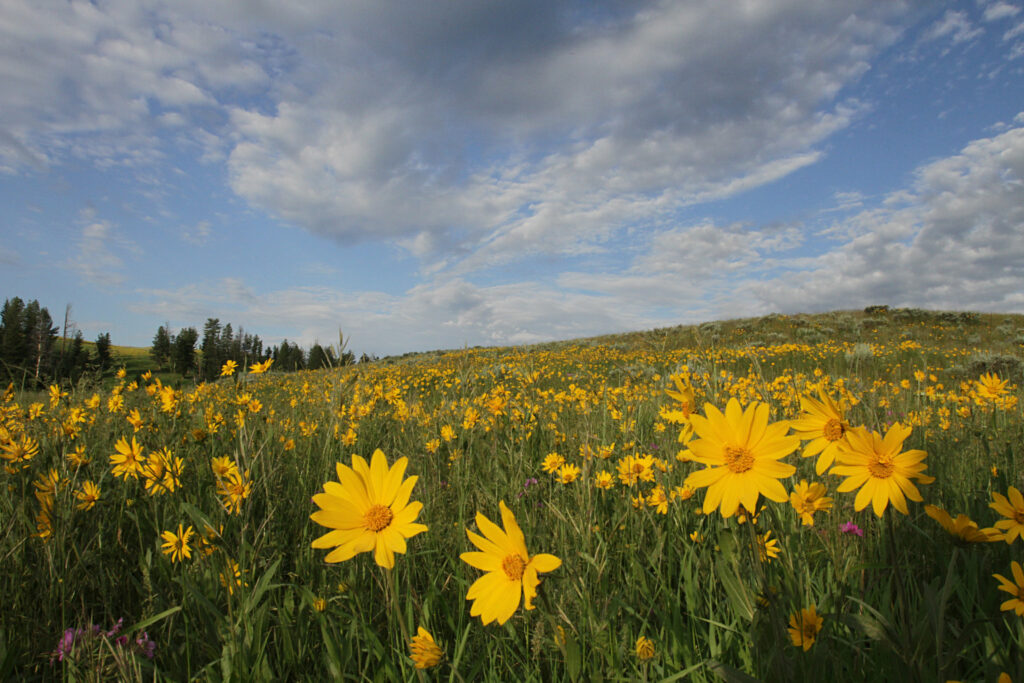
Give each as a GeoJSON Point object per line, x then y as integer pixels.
{"type": "Point", "coordinates": [851, 528]}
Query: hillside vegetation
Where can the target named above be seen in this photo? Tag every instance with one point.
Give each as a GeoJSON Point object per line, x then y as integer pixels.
{"type": "Point", "coordinates": [760, 499]}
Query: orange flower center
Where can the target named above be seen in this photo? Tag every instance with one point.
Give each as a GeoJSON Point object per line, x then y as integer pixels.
{"type": "Point", "coordinates": [513, 566]}
{"type": "Point", "coordinates": [378, 517]}
{"type": "Point", "coordinates": [738, 459]}
{"type": "Point", "coordinates": [881, 468]}
{"type": "Point", "coordinates": [834, 430]}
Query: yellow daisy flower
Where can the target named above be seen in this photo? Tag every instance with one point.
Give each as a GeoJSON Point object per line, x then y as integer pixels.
{"type": "Point", "coordinates": [804, 627]}
{"type": "Point", "coordinates": [875, 465]}
{"type": "Point", "coordinates": [176, 544]}
{"type": "Point", "coordinates": [807, 499]}
{"type": "Point", "coordinates": [127, 461]}
{"type": "Point", "coordinates": [962, 528]}
{"type": "Point", "coordinates": [511, 570]}
{"type": "Point", "coordinates": [742, 453]}
{"type": "Point", "coordinates": [644, 648]}
{"type": "Point", "coordinates": [1011, 507]}
{"type": "Point", "coordinates": [424, 652]}
{"type": "Point", "coordinates": [823, 424]}
{"type": "Point", "coordinates": [1014, 588]}
{"type": "Point", "coordinates": [368, 509]}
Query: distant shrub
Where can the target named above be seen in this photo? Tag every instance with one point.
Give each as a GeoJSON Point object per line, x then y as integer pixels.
{"type": "Point", "coordinates": [1007, 367]}
{"type": "Point", "coordinates": [876, 310]}
{"type": "Point", "coordinates": [860, 353]}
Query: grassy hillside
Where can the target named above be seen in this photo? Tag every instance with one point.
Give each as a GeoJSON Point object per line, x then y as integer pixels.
{"type": "Point", "coordinates": [878, 464]}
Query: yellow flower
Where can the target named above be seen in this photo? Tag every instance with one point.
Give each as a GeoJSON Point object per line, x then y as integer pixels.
{"type": "Point", "coordinates": [56, 394]}
{"type": "Point", "coordinates": [424, 652]}
{"type": "Point", "coordinates": [875, 465]}
{"type": "Point", "coordinates": [804, 627]}
{"type": "Point", "coordinates": [658, 500]}
{"type": "Point", "coordinates": [368, 509]}
{"type": "Point", "coordinates": [742, 453]}
{"type": "Point", "coordinates": [1014, 588]}
{"type": "Point", "coordinates": [222, 466]}
{"type": "Point", "coordinates": [644, 648]}
{"type": "Point", "coordinates": [20, 451]}
{"type": "Point", "coordinates": [77, 457]}
{"type": "Point", "coordinates": [259, 368]}
{"type": "Point", "coordinates": [134, 419]}
{"type": "Point", "coordinates": [1012, 508]}
{"type": "Point", "coordinates": [990, 387]}
{"type": "Point", "coordinates": [807, 499]}
{"type": "Point", "coordinates": [511, 570]}
{"type": "Point", "coordinates": [319, 604]}
{"type": "Point", "coordinates": [127, 461]}
{"type": "Point", "coordinates": [233, 489]}
{"type": "Point", "coordinates": [231, 577]}
{"type": "Point", "coordinates": [768, 547]}
{"type": "Point", "coordinates": [176, 545]}
{"type": "Point", "coordinates": [822, 422]}
{"type": "Point", "coordinates": [447, 433]}
{"type": "Point", "coordinates": [567, 474]}
{"type": "Point", "coordinates": [962, 527]}
{"type": "Point", "coordinates": [552, 461]}
{"type": "Point", "coordinates": [87, 495]}
{"type": "Point", "coordinates": [228, 368]}
{"type": "Point", "coordinates": [604, 480]}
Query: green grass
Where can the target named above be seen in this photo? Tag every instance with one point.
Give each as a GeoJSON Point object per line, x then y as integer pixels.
{"type": "Point", "coordinates": [902, 602]}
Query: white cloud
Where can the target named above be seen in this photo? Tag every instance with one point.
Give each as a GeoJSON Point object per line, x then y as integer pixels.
{"type": "Point", "coordinates": [956, 26]}
{"type": "Point", "coordinates": [198, 234]}
{"type": "Point", "coordinates": [955, 240]}
{"type": "Point", "coordinates": [557, 137]}
{"type": "Point", "coordinates": [1000, 10]}
{"type": "Point", "coordinates": [95, 260]}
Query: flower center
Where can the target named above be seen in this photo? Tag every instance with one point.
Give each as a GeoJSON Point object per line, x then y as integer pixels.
{"type": "Point", "coordinates": [1018, 516]}
{"type": "Point", "coordinates": [834, 430]}
{"type": "Point", "coordinates": [513, 567]}
{"type": "Point", "coordinates": [881, 468]}
{"type": "Point", "coordinates": [378, 517]}
{"type": "Point", "coordinates": [738, 459]}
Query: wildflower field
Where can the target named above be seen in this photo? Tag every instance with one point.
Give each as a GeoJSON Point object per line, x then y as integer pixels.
{"type": "Point", "coordinates": [764, 499]}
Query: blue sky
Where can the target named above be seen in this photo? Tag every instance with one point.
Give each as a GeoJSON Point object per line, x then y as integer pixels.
{"type": "Point", "coordinates": [433, 175]}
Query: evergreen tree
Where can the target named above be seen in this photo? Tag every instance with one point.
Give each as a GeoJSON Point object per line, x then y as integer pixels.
{"type": "Point", "coordinates": [12, 339]}
{"type": "Point", "coordinates": [103, 358]}
{"type": "Point", "coordinates": [320, 357]}
{"type": "Point", "coordinates": [184, 354]}
{"type": "Point", "coordinates": [161, 349]}
{"type": "Point", "coordinates": [213, 359]}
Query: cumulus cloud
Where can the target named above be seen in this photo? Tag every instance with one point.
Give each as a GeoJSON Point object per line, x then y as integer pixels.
{"type": "Point", "coordinates": [516, 128]}
{"type": "Point", "coordinates": [94, 80]}
{"type": "Point", "coordinates": [953, 240]}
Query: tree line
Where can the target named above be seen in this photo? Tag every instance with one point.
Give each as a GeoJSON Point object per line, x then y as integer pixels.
{"type": "Point", "coordinates": [184, 353]}
{"type": "Point", "coordinates": [35, 351]}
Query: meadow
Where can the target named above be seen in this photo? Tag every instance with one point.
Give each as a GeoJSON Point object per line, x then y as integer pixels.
{"type": "Point", "coordinates": [763, 499]}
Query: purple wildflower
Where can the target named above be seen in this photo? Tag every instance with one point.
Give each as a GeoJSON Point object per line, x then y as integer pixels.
{"type": "Point", "coordinates": [67, 643]}
{"type": "Point", "coordinates": [851, 528]}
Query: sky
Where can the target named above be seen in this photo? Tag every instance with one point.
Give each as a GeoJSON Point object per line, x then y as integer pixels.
{"type": "Point", "coordinates": [435, 175]}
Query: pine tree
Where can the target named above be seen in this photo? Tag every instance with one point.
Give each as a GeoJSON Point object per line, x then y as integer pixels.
{"type": "Point", "coordinates": [212, 357]}
{"type": "Point", "coordinates": [103, 358]}
{"type": "Point", "coordinates": [185, 351]}
{"type": "Point", "coordinates": [161, 349]}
